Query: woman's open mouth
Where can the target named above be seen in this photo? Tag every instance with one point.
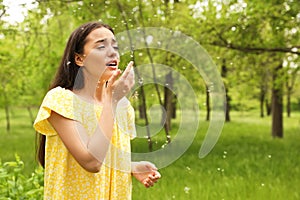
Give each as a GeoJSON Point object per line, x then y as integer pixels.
{"type": "Point", "coordinates": [112, 64]}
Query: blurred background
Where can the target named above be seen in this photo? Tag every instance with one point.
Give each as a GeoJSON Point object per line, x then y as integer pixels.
{"type": "Point", "coordinates": [255, 46]}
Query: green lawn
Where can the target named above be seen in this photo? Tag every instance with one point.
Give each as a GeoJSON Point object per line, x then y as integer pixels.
{"type": "Point", "coordinates": [246, 163]}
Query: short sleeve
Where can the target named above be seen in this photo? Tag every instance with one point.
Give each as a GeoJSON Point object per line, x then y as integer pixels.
{"type": "Point", "coordinates": [125, 118]}
{"type": "Point", "coordinates": [59, 100]}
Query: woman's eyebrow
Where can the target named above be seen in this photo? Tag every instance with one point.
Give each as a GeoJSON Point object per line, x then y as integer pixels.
{"type": "Point", "coordinates": [105, 39]}
{"type": "Point", "coordinates": [101, 40]}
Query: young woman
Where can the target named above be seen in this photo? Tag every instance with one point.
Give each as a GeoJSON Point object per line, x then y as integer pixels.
{"type": "Point", "coordinates": [86, 123]}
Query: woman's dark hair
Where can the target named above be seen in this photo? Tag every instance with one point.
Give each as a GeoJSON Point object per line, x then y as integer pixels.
{"type": "Point", "coordinates": [68, 71]}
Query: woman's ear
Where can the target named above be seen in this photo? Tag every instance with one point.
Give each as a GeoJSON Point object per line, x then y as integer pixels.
{"type": "Point", "coordinates": [79, 60]}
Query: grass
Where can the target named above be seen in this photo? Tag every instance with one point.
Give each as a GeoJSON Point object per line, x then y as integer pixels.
{"type": "Point", "coordinates": [246, 163]}
{"type": "Point", "coordinates": [20, 140]}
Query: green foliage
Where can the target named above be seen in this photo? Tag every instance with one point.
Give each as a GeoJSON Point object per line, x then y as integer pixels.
{"type": "Point", "coordinates": [27, 70]}
{"type": "Point", "coordinates": [15, 185]}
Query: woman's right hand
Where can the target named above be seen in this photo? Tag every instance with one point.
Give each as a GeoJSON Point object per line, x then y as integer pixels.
{"type": "Point", "coordinates": [123, 85]}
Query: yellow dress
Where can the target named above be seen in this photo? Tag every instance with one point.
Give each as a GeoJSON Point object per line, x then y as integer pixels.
{"type": "Point", "coordinates": [64, 177]}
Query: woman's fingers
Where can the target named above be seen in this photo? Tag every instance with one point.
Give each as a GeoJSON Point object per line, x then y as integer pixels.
{"type": "Point", "coordinates": [124, 84]}
{"type": "Point", "coordinates": [148, 183]}
{"type": "Point", "coordinates": [155, 176]}
{"type": "Point", "coordinates": [112, 79]}
{"type": "Point", "coordinates": [127, 70]}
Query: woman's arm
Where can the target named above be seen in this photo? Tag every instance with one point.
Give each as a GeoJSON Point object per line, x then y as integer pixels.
{"type": "Point", "coordinates": [90, 152]}
{"type": "Point", "coordinates": [67, 130]}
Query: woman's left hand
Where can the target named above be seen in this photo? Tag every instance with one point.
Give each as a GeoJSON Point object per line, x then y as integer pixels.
{"type": "Point", "coordinates": [145, 172]}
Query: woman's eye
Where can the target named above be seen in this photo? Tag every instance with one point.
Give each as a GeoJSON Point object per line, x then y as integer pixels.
{"type": "Point", "coordinates": [116, 47]}
{"type": "Point", "coordinates": [101, 47]}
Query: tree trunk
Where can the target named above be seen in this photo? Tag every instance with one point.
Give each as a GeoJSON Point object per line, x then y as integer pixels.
{"type": "Point", "coordinates": [268, 107]}
{"type": "Point", "coordinates": [262, 100]}
{"type": "Point", "coordinates": [168, 97]}
{"type": "Point", "coordinates": [174, 107]}
{"type": "Point", "coordinates": [152, 64]}
{"type": "Point", "coordinates": [7, 118]}
{"type": "Point", "coordinates": [227, 103]}
{"type": "Point", "coordinates": [6, 108]}
{"type": "Point", "coordinates": [227, 111]}
{"type": "Point", "coordinates": [30, 114]}
{"type": "Point", "coordinates": [277, 106]}
{"type": "Point", "coordinates": [142, 107]}
{"type": "Point", "coordinates": [288, 101]}
{"type": "Point", "coordinates": [207, 104]}
{"type": "Point", "coordinates": [141, 110]}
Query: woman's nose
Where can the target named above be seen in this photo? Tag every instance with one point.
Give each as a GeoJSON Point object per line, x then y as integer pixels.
{"type": "Point", "coordinates": [112, 51]}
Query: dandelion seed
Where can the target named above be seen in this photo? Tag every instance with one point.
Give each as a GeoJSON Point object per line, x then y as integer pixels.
{"type": "Point", "coordinates": [140, 54]}
{"type": "Point", "coordinates": [68, 62]}
{"type": "Point", "coordinates": [173, 196]}
{"type": "Point", "coordinates": [224, 156]}
{"type": "Point", "coordinates": [294, 49]}
{"type": "Point", "coordinates": [262, 184]}
{"type": "Point", "coordinates": [149, 39]}
{"type": "Point", "coordinates": [269, 156]}
{"type": "Point", "coordinates": [135, 95]}
{"type": "Point", "coordinates": [141, 81]}
{"type": "Point", "coordinates": [225, 152]}
{"type": "Point", "coordinates": [219, 169]}
{"type": "Point", "coordinates": [186, 189]}
{"type": "Point", "coordinates": [188, 168]}
{"type": "Point", "coordinates": [183, 67]}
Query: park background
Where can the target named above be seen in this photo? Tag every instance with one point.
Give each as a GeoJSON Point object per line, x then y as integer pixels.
{"type": "Point", "coordinates": [254, 44]}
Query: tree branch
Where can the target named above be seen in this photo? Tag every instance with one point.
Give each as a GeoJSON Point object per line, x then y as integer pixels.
{"type": "Point", "coordinates": [224, 43]}
{"type": "Point", "coordinates": [259, 49]}
{"type": "Point", "coordinates": [3, 13]}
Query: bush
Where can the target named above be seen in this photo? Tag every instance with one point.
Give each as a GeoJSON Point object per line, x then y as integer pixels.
{"type": "Point", "coordinates": [14, 185]}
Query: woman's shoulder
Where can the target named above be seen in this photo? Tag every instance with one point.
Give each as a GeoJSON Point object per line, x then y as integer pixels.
{"type": "Point", "coordinates": [60, 90]}
{"type": "Point", "coordinates": [59, 94]}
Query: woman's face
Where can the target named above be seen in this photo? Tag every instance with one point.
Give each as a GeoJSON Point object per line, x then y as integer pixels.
{"type": "Point", "coordinates": [101, 56]}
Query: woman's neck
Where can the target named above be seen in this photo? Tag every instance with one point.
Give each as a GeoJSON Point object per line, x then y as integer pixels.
{"type": "Point", "coordinates": [92, 91]}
